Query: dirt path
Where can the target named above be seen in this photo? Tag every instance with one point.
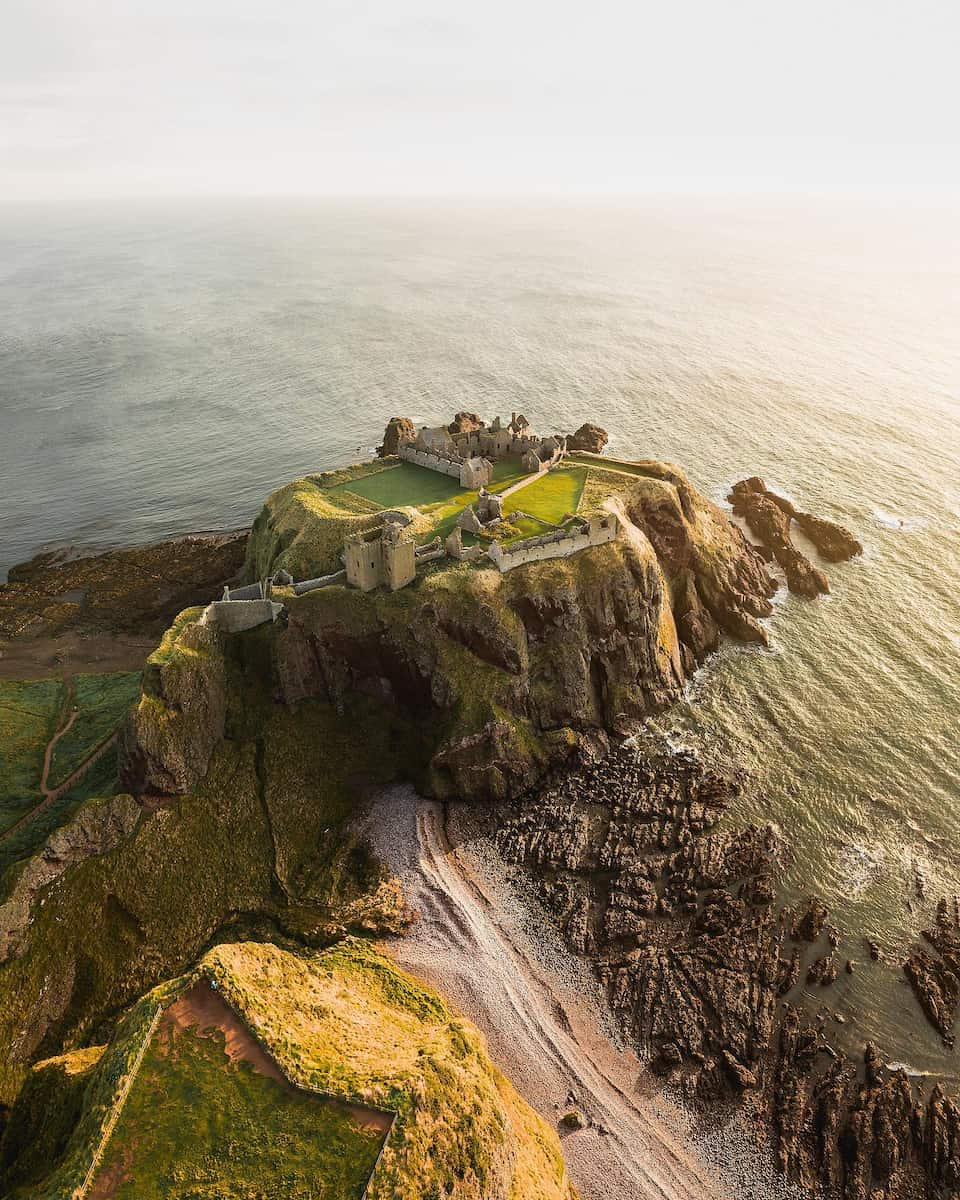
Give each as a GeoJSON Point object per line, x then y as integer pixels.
{"type": "Point", "coordinates": [52, 795]}
{"type": "Point", "coordinates": [61, 730]}
{"type": "Point", "coordinates": [540, 1017]}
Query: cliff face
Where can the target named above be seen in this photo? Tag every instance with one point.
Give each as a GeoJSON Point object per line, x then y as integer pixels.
{"type": "Point", "coordinates": [495, 677]}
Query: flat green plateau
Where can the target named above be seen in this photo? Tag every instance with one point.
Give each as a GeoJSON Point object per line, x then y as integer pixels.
{"type": "Point", "coordinates": [439, 497]}
{"type": "Point", "coordinates": [199, 1122]}
{"type": "Point", "coordinates": [553, 495]}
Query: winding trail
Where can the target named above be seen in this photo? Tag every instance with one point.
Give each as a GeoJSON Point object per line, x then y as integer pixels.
{"type": "Point", "coordinates": [52, 795]}
{"type": "Point", "coordinates": [61, 730]}
{"type": "Point", "coordinates": [542, 1024]}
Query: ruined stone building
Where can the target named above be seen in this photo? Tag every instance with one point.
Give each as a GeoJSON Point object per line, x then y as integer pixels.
{"type": "Point", "coordinates": [385, 556]}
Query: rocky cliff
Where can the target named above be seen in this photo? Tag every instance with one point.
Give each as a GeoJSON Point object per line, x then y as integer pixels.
{"type": "Point", "coordinates": [495, 677]}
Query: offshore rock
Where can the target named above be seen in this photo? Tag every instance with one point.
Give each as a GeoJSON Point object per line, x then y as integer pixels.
{"type": "Point", "coordinates": [770, 517]}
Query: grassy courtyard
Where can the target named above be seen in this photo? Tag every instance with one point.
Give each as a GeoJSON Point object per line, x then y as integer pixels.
{"type": "Point", "coordinates": [553, 495]}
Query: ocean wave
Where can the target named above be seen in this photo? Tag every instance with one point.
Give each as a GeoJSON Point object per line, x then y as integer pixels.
{"type": "Point", "coordinates": [901, 524]}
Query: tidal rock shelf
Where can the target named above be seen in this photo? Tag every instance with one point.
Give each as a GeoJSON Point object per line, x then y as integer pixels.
{"type": "Point", "coordinates": [702, 967]}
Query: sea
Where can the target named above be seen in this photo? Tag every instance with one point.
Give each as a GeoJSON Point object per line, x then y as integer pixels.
{"type": "Point", "coordinates": [164, 366]}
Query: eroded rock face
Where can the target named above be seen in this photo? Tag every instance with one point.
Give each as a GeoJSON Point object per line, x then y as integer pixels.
{"type": "Point", "coordinates": [588, 438]}
{"type": "Point", "coordinates": [770, 516]}
{"type": "Point", "coordinates": [465, 422]}
{"type": "Point", "coordinates": [499, 675]}
{"type": "Point", "coordinates": [680, 922]}
{"type": "Point", "coordinates": [399, 429]}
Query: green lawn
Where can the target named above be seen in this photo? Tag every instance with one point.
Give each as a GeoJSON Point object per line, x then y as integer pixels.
{"type": "Point", "coordinates": [28, 719]}
{"type": "Point", "coordinates": [102, 702]}
{"type": "Point", "coordinates": [198, 1125]}
{"type": "Point", "coordinates": [403, 484]}
{"type": "Point", "coordinates": [551, 496]}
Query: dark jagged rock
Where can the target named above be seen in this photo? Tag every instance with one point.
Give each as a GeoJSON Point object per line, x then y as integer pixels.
{"type": "Point", "coordinates": [588, 438]}
{"type": "Point", "coordinates": [399, 429]}
{"type": "Point", "coordinates": [679, 921]}
{"type": "Point", "coordinates": [810, 921]}
{"type": "Point", "coordinates": [936, 981]}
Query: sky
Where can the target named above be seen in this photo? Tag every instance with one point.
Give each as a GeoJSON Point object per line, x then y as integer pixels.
{"type": "Point", "coordinates": [104, 98]}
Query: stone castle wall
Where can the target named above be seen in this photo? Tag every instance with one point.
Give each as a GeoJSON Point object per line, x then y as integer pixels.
{"type": "Point", "coordinates": [233, 616]}
{"type": "Point", "coordinates": [429, 459]}
{"type": "Point", "coordinates": [561, 544]}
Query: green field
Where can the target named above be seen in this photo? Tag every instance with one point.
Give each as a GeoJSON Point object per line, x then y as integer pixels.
{"type": "Point", "coordinates": [551, 496]}
{"type": "Point", "coordinates": [197, 1124]}
{"type": "Point", "coordinates": [402, 485]}
{"type": "Point", "coordinates": [102, 702]}
{"type": "Point", "coordinates": [28, 718]}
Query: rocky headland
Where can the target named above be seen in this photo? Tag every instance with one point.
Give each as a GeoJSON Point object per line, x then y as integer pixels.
{"type": "Point", "coordinates": [247, 755]}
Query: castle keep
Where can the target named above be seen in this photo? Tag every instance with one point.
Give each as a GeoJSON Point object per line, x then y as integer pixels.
{"type": "Point", "coordinates": [386, 556]}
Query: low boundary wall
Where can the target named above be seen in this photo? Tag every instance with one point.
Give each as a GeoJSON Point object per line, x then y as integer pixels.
{"type": "Point", "coordinates": [322, 581]}
{"type": "Point", "coordinates": [561, 544]}
{"type": "Point", "coordinates": [117, 1108]}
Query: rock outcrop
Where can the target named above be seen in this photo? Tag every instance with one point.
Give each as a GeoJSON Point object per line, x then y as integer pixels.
{"type": "Point", "coordinates": [680, 922]}
{"type": "Point", "coordinates": [499, 674]}
{"type": "Point", "coordinates": [465, 422]}
{"type": "Point", "coordinates": [589, 438]}
{"type": "Point", "coordinates": [936, 979]}
{"type": "Point", "coordinates": [769, 517]}
{"type": "Point", "coordinates": [399, 429]}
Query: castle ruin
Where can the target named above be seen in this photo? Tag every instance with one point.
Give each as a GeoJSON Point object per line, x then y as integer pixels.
{"type": "Point", "coordinates": [384, 556]}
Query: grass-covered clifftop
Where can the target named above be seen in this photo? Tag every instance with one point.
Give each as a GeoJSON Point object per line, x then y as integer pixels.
{"type": "Point", "coordinates": [343, 1024]}
{"type": "Point", "coordinates": [494, 676]}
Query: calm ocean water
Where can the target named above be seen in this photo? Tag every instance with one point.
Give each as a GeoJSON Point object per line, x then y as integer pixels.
{"type": "Point", "coordinates": [161, 369]}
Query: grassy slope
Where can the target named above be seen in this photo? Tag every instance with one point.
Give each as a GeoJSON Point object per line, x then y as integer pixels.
{"type": "Point", "coordinates": [351, 1023]}
{"type": "Point", "coordinates": [101, 780]}
{"type": "Point", "coordinates": [102, 702]}
{"type": "Point", "coordinates": [234, 1132]}
{"type": "Point", "coordinates": [29, 713]}
{"type": "Point", "coordinates": [346, 1022]}
{"type": "Point", "coordinates": [260, 838]}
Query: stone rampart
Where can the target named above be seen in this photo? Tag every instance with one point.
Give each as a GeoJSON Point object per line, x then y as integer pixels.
{"type": "Point", "coordinates": [233, 616]}
{"type": "Point", "coordinates": [322, 581]}
{"type": "Point", "coordinates": [430, 459]}
{"type": "Point", "coordinates": [560, 544]}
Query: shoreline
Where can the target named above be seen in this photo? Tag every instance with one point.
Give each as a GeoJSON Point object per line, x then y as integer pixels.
{"type": "Point", "coordinates": [483, 943]}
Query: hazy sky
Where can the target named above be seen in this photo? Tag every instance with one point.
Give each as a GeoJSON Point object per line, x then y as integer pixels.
{"type": "Point", "coordinates": [111, 97]}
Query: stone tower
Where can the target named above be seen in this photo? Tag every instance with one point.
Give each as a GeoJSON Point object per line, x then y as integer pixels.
{"type": "Point", "coordinates": [399, 557]}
